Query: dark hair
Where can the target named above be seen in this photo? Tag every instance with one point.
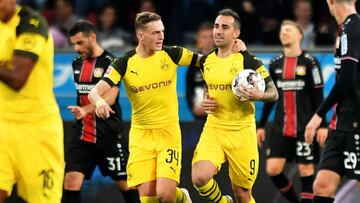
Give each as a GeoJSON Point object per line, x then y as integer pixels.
{"type": "Point", "coordinates": [84, 26]}
{"type": "Point", "coordinates": [144, 18]}
{"type": "Point", "coordinates": [232, 13]}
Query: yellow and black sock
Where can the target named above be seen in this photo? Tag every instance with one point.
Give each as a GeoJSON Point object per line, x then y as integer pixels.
{"type": "Point", "coordinates": [180, 197]}
{"type": "Point", "coordinates": [211, 192]}
{"type": "Point", "coordinates": [149, 199]}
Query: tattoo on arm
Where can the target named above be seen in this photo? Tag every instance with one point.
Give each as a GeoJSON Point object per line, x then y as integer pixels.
{"type": "Point", "coordinates": [271, 93]}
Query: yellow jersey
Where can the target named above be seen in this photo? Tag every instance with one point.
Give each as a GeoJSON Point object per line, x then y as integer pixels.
{"type": "Point", "coordinates": [27, 34]}
{"type": "Point", "coordinates": [150, 84]}
{"type": "Point", "coordinates": [218, 74]}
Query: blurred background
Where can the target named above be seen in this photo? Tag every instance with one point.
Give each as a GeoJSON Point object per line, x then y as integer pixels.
{"type": "Point", "coordinates": [260, 21]}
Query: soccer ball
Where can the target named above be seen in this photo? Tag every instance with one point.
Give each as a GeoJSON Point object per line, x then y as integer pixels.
{"type": "Point", "coordinates": [245, 78]}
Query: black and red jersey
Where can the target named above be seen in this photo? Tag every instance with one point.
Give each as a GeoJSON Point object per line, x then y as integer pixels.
{"type": "Point", "coordinates": [300, 85]}
{"type": "Point", "coordinates": [346, 90]}
{"type": "Point", "coordinates": [87, 73]}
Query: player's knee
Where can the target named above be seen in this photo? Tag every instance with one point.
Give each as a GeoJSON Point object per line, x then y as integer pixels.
{"type": "Point", "coordinates": [122, 185]}
{"type": "Point", "coordinates": [273, 170]}
{"type": "Point", "coordinates": [73, 181]}
{"type": "Point", "coordinates": [201, 176]}
{"type": "Point", "coordinates": [306, 170]}
{"type": "Point", "coordinates": [166, 196]}
{"type": "Point", "coordinates": [322, 187]}
{"type": "Point", "coordinates": [242, 194]}
{"type": "Point", "coordinates": [200, 179]}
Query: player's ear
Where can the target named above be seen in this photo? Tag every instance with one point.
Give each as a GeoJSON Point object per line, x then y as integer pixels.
{"type": "Point", "coordinates": [236, 33]}
{"type": "Point", "coordinates": [139, 35]}
{"type": "Point", "coordinates": [93, 37]}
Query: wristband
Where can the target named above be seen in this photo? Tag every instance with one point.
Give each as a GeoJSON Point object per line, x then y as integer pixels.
{"type": "Point", "coordinates": [100, 102]}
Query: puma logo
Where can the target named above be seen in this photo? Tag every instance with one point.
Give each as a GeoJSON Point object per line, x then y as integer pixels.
{"type": "Point", "coordinates": [134, 72]}
{"type": "Point", "coordinates": [172, 169]}
{"type": "Point", "coordinates": [34, 22]}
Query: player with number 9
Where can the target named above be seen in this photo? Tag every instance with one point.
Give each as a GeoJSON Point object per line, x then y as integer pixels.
{"type": "Point", "coordinates": [229, 134]}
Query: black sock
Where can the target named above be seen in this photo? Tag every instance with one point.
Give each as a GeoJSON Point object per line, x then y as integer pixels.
{"type": "Point", "coordinates": [318, 199]}
{"type": "Point", "coordinates": [306, 189]}
{"type": "Point", "coordinates": [131, 196]}
{"type": "Point", "coordinates": [70, 196]}
{"type": "Point", "coordinates": [286, 187]}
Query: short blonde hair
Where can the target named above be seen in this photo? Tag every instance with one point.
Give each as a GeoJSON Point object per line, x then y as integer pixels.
{"type": "Point", "coordinates": [293, 23]}
{"type": "Point", "coordinates": [144, 18]}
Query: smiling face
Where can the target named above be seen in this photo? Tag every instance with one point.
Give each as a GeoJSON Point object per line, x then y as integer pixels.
{"type": "Point", "coordinates": [224, 32]}
{"type": "Point", "coordinates": [152, 35]}
{"type": "Point", "coordinates": [289, 35]}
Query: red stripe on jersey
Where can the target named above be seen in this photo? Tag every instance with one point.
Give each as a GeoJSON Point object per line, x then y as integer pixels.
{"type": "Point", "coordinates": [87, 70]}
{"type": "Point", "coordinates": [88, 132]}
{"type": "Point", "coordinates": [333, 120]}
{"type": "Point", "coordinates": [289, 99]}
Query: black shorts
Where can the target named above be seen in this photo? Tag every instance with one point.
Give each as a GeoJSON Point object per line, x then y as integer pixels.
{"type": "Point", "coordinates": [292, 148]}
{"type": "Point", "coordinates": [342, 154]}
{"type": "Point", "coordinates": [110, 153]}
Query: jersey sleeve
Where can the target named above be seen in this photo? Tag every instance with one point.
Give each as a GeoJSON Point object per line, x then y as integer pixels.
{"type": "Point", "coordinates": [316, 75]}
{"type": "Point", "coordinates": [349, 40]}
{"type": "Point", "coordinates": [181, 56]}
{"type": "Point", "coordinates": [32, 34]}
{"type": "Point", "coordinates": [115, 71]}
{"type": "Point", "coordinates": [254, 63]}
{"type": "Point", "coordinates": [202, 62]}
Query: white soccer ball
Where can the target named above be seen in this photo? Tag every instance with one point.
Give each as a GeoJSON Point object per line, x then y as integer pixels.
{"type": "Point", "coordinates": [245, 78]}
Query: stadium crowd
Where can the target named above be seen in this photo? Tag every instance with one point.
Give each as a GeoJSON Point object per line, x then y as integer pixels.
{"type": "Point", "coordinates": [261, 20]}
